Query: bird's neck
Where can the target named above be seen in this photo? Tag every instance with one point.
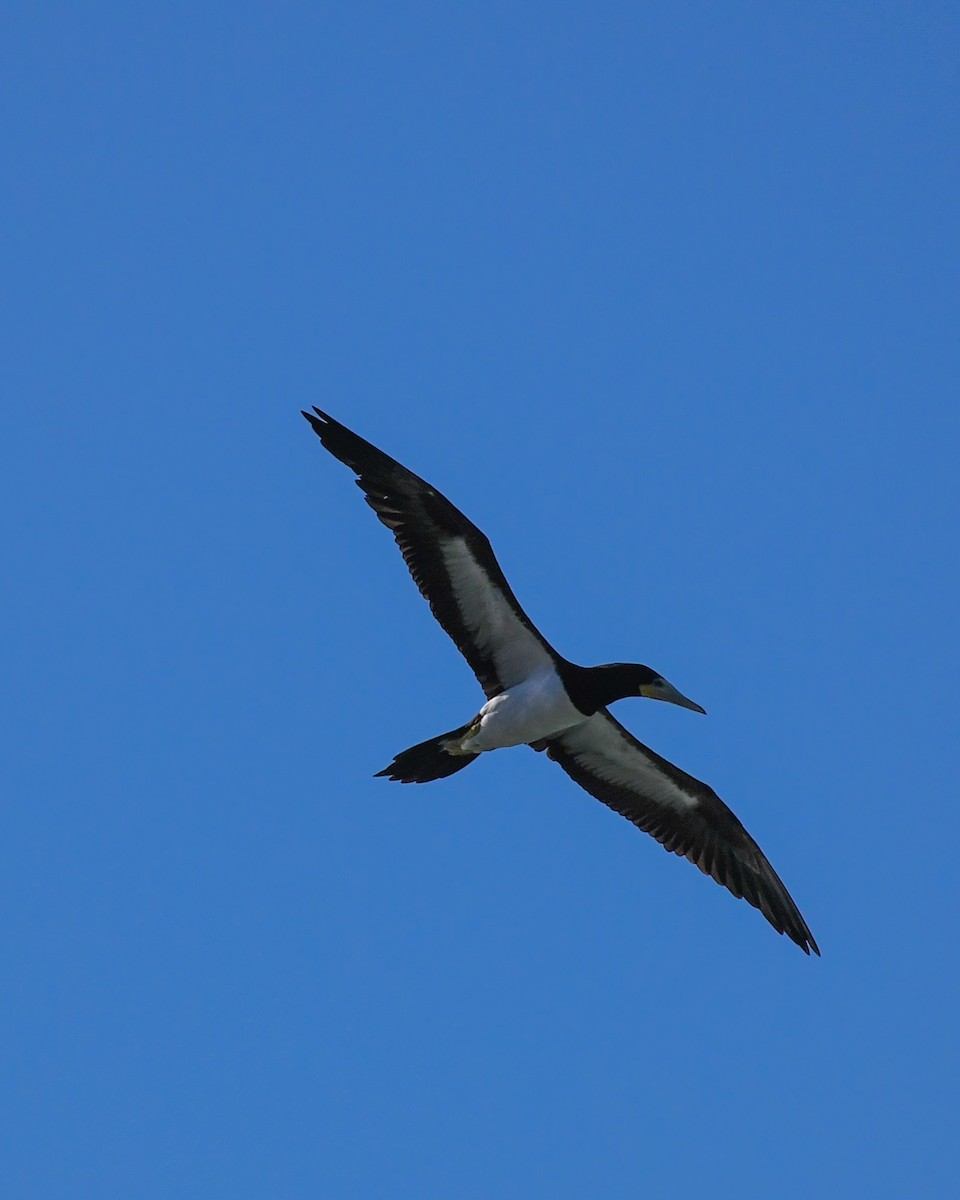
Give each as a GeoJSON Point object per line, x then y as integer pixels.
{"type": "Point", "coordinates": [593, 688]}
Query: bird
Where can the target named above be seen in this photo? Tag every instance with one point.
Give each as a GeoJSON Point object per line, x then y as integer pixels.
{"type": "Point", "coordinates": [536, 697]}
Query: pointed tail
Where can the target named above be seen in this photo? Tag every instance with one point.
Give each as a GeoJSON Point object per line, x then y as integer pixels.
{"type": "Point", "coordinates": [429, 760]}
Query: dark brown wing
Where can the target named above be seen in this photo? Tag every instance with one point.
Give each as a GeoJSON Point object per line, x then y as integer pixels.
{"type": "Point", "coordinates": [451, 561]}
{"type": "Point", "coordinates": [683, 814]}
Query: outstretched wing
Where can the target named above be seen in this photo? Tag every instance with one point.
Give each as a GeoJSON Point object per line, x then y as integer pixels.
{"type": "Point", "coordinates": [451, 561]}
{"type": "Point", "coordinates": [684, 815]}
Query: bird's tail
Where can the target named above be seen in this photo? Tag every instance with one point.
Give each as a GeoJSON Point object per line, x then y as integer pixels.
{"type": "Point", "coordinates": [432, 759]}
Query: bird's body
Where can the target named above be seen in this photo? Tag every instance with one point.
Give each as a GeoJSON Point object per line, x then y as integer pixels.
{"type": "Point", "coordinates": [536, 697]}
{"type": "Point", "coordinates": [531, 711]}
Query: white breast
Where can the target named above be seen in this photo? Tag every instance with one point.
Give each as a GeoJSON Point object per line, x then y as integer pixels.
{"type": "Point", "coordinates": [534, 709]}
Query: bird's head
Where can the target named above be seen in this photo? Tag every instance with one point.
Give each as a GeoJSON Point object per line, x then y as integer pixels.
{"type": "Point", "coordinates": [647, 682]}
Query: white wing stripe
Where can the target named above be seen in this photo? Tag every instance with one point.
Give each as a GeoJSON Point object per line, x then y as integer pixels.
{"type": "Point", "coordinates": [516, 651]}
{"type": "Point", "coordinates": [599, 748]}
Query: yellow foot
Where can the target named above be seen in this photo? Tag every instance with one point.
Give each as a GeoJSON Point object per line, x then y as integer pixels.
{"type": "Point", "coordinates": [458, 746]}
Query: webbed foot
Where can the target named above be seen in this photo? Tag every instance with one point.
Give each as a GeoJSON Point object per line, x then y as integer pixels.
{"type": "Point", "coordinates": [457, 745]}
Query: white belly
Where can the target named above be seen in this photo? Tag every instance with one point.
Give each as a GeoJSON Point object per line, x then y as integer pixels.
{"type": "Point", "coordinates": [535, 709]}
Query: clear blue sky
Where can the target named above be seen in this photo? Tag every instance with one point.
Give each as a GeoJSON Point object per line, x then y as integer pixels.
{"type": "Point", "coordinates": [665, 297]}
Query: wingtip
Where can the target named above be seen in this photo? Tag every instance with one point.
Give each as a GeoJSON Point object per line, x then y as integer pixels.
{"type": "Point", "coordinates": [804, 939]}
{"type": "Point", "coordinates": [318, 422]}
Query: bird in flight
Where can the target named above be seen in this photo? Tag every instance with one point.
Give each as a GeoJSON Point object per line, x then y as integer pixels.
{"type": "Point", "coordinates": [535, 697]}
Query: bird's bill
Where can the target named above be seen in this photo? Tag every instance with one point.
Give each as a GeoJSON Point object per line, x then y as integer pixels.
{"type": "Point", "coordinates": [666, 691]}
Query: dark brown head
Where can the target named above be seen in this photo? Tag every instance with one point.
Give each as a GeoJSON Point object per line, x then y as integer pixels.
{"type": "Point", "coordinates": [592, 688]}
{"type": "Point", "coordinates": [638, 680]}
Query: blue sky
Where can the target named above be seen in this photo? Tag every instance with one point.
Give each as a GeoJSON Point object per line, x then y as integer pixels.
{"type": "Point", "coordinates": [664, 297]}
